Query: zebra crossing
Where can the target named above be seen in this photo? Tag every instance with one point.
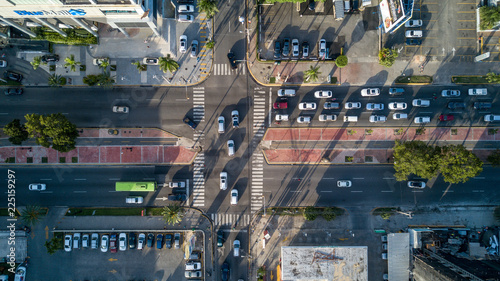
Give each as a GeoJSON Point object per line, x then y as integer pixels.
{"type": "Point", "coordinates": [199, 104]}
{"type": "Point", "coordinates": [230, 219]}
{"type": "Point", "coordinates": [225, 69]}
{"type": "Point", "coordinates": [259, 113]}
{"type": "Point", "coordinates": [199, 180]}
{"type": "Point", "coordinates": [259, 128]}
{"type": "Point", "coordinates": [257, 188]}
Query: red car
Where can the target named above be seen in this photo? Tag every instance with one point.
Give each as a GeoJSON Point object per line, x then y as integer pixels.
{"type": "Point", "coordinates": [448, 117]}
{"type": "Point", "coordinates": [112, 243]}
{"type": "Point", "coordinates": [280, 105]}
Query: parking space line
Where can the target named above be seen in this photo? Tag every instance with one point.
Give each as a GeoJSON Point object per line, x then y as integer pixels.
{"type": "Point", "coordinates": [466, 12]}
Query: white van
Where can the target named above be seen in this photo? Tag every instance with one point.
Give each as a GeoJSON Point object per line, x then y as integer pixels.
{"type": "Point", "coordinates": [286, 93]}
{"type": "Point", "coordinates": [478, 92]}
{"type": "Point", "coordinates": [350, 118]}
{"type": "Point", "coordinates": [236, 246]}
{"type": "Point", "coordinates": [134, 200]}
{"type": "Point", "coordinates": [76, 240]}
{"type": "Point", "coordinates": [347, 6]}
{"type": "Point", "coordinates": [221, 124]}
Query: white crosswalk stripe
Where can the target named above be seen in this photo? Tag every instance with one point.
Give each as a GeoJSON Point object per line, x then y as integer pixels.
{"type": "Point", "coordinates": [225, 69]}
{"type": "Point", "coordinates": [259, 128]}
{"type": "Point", "coordinates": [230, 219]}
{"type": "Point", "coordinates": [199, 181]}
{"type": "Point", "coordinates": [199, 104]}
{"type": "Point", "coordinates": [259, 113]}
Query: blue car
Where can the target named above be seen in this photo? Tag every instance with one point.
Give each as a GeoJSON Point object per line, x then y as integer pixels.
{"type": "Point", "coordinates": [277, 50]}
{"type": "Point", "coordinates": [412, 41]}
{"type": "Point", "coordinates": [159, 241]}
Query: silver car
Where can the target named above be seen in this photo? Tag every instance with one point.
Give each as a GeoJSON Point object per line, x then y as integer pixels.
{"type": "Point", "coordinates": [322, 49]}
{"type": "Point", "coordinates": [352, 105]}
{"type": "Point", "coordinates": [183, 44]}
{"type": "Point", "coordinates": [397, 105]}
{"type": "Point", "coordinates": [374, 106]}
{"type": "Point", "coordinates": [370, 92]}
{"type": "Point", "coordinates": [344, 183]}
{"type": "Point", "coordinates": [194, 48]}
{"type": "Point", "coordinates": [421, 103]}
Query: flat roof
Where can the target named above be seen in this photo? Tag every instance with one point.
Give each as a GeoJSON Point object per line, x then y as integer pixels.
{"type": "Point", "coordinates": [398, 252]}
{"type": "Point", "coordinates": [315, 263]}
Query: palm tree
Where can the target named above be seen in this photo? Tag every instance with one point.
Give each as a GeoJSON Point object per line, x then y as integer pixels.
{"type": "Point", "coordinates": [71, 63]}
{"type": "Point", "coordinates": [209, 7]}
{"type": "Point", "coordinates": [210, 44]}
{"type": "Point", "coordinates": [31, 215]}
{"type": "Point", "coordinates": [172, 214]}
{"type": "Point", "coordinates": [104, 64]}
{"type": "Point", "coordinates": [36, 62]}
{"type": "Point", "coordinates": [139, 65]}
{"type": "Point", "coordinates": [56, 80]}
{"type": "Point", "coordinates": [106, 80]}
{"type": "Point", "coordinates": [312, 74]}
{"type": "Point", "coordinates": [168, 64]}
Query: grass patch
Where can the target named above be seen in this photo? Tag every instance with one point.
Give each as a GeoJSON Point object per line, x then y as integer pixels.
{"type": "Point", "coordinates": [473, 79]}
{"type": "Point", "coordinates": [52, 67]}
{"type": "Point", "coordinates": [10, 83]}
{"type": "Point", "coordinates": [328, 213]}
{"type": "Point", "coordinates": [492, 131]}
{"type": "Point", "coordinates": [74, 159]}
{"type": "Point", "coordinates": [45, 160]}
{"type": "Point", "coordinates": [349, 159]}
{"type": "Point", "coordinates": [413, 79]}
{"type": "Point", "coordinates": [368, 131]}
{"type": "Point", "coordinates": [104, 212]}
{"type": "Point", "coordinates": [420, 131]}
{"type": "Point", "coordinates": [385, 213]}
{"type": "Point", "coordinates": [144, 67]}
{"type": "Point", "coordinates": [154, 211]}
{"type": "Point", "coordinates": [272, 80]}
{"type": "Point", "coordinates": [83, 67]}
{"type": "Point", "coordinates": [75, 36]}
{"type": "Point", "coordinates": [4, 212]}
{"type": "Point", "coordinates": [398, 132]}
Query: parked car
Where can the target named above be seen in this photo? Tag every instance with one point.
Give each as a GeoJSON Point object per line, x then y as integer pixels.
{"type": "Point", "coordinates": [327, 117]}
{"type": "Point", "coordinates": [190, 122]}
{"type": "Point", "coordinates": [491, 118]}
{"type": "Point", "coordinates": [295, 48]}
{"type": "Point", "coordinates": [224, 272]}
{"type": "Point", "coordinates": [234, 197]}
{"type": "Point", "coordinates": [37, 186]}
{"type": "Point", "coordinates": [50, 58]}
{"type": "Point", "coordinates": [134, 200]}
{"type": "Point", "coordinates": [151, 239]}
{"type": "Point", "coordinates": [104, 243]}
{"type": "Point", "coordinates": [3, 63]}
{"type": "Point", "coordinates": [482, 105]}
{"type": "Point", "coordinates": [416, 184]}
{"type": "Point", "coordinates": [85, 240]}
{"type": "Point", "coordinates": [235, 116]}
{"type": "Point", "coordinates": [413, 33]}
{"type": "Point", "coordinates": [307, 106]}
{"type": "Point", "coordinates": [220, 238]}
{"type": "Point", "coordinates": [344, 183]}
{"type": "Point", "coordinates": [150, 61]}
{"type": "Point", "coordinates": [352, 105]}
{"type": "Point", "coordinates": [112, 243]}
{"type": "Point", "coordinates": [478, 92]}
{"type": "Point", "coordinates": [450, 93]}
{"type": "Point", "coordinates": [421, 103]}
{"type": "Point", "coordinates": [331, 105]}
{"type": "Point", "coordinates": [177, 240]}
{"type": "Point", "coordinates": [122, 241]}
{"type": "Point", "coordinates": [141, 241]}
{"type": "Point", "coordinates": [132, 240]}
{"type": "Point", "coordinates": [120, 109]}
{"type": "Point", "coordinates": [414, 23]}
{"type": "Point", "coordinates": [396, 91]}
{"type": "Point", "coordinates": [159, 241]}
{"type": "Point", "coordinates": [286, 93]}
{"type": "Point", "coordinates": [399, 116]}
{"type": "Point", "coordinates": [397, 105]}
{"type": "Point", "coordinates": [370, 92]}
{"type": "Point", "coordinates": [183, 44]}
{"type": "Point", "coordinates": [305, 50]}
{"type": "Point", "coordinates": [413, 42]}
{"type": "Point", "coordinates": [76, 240]}
{"type": "Point", "coordinates": [422, 120]}
{"type": "Point", "coordinates": [374, 106]}
{"type": "Point", "coordinates": [456, 105]}
{"type": "Point", "coordinates": [280, 105]}
{"type": "Point", "coordinates": [185, 18]}
{"type": "Point", "coordinates": [277, 50]}
{"type": "Point", "coordinates": [322, 94]}
{"type": "Point", "coordinates": [377, 119]}
{"type": "Point", "coordinates": [177, 184]}
{"type": "Point", "coordinates": [94, 241]}
{"type": "Point", "coordinates": [304, 119]}
{"type": "Point", "coordinates": [281, 117]}
{"type": "Point", "coordinates": [223, 180]}
{"type": "Point", "coordinates": [13, 76]}
{"type": "Point", "coordinates": [68, 242]}
{"type": "Point", "coordinates": [236, 248]}
{"type": "Point", "coordinates": [193, 265]}
{"type": "Point", "coordinates": [168, 241]}
{"type": "Point", "coordinates": [286, 47]}
{"type": "Point", "coordinates": [194, 49]}
{"type": "Point", "coordinates": [13, 91]}
{"type": "Point", "coordinates": [446, 117]}
{"type": "Point", "coordinates": [177, 197]}
{"type": "Point", "coordinates": [230, 147]}
{"type": "Point", "coordinates": [192, 274]}
{"type": "Point", "coordinates": [322, 49]}
{"type": "Point", "coordinates": [185, 9]}
{"type": "Point", "coordinates": [232, 61]}
{"type": "Point", "coordinates": [221, 121]}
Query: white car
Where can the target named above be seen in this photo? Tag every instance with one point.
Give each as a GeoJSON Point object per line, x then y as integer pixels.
{"type": "Point", "coordinates": [122, 241]}
{"type": "Point", "coordinates": [352, 105]}
{"type": "Point", "coordinates": [399, 116]}
{"type": "Point", "coordinates": [222, 124]}
{"type": "Point", "coordinates": [134, 200]}
{"type": "Point", "coordinates": [183, 44]}
{"type": "Point", "coordinates": [150, 61]}
{"type": "Point", "coordinates": [177, 184]}
{"type": "Point", "coordinates": [120, 109]}
{"type": "Point", "coordinates": [450, 93]}
{"type": "Point", "coordinates": [422, 120]}
{"type": "Point", "coordinates": [68, 242]}
{"type": "Point", "coordinates": [185, 9]}
{"type": "Point", "coordinates": [236, 247]}
{"type": "Point", "coordinates": [295, 47]}
{"type": "Point", "coordinates": [140, 241]}
{"type": "Point", "coordinates": [378, 119]}
{"type": "Point", "coordinates": [491, 118]}
{"type": "Point", "coordinates": [344, 183]}
{"type": "Point", "coordinates": [421, 103]}
{"type": "Point", "coordinates": [416, 184]}
{"type": "Point", "coordinates": [185, 18]}
{"type": "Point", "coordinates": [374, 106]}
{"type": "Point", "coordinates": [478, 92]}
{"type": "Point", "coordinates": [37, 186]}
{"type": "Point", "coordinates": [94, 241]}
{"type": "Point", "coordinates": [191, 265]}
{"type": "Point", "coordinates": [234, 197]}
{"type": "Point", "coordinates": [304, 119]}
{"type": "Point", "coordinates": [192, 274]}
{"type": "Point", "coordinates": [235, 116]}
{"type": "Point", "coordinates": [414, 33]}
{"type": "Point", "coordinates": [397, 105]}
{"type": "Point", "coordinates": [414, 23]}
{"type": "Point", "coordinates": [230, 147]}
{"type": "Point", "coordinates": [322, 49]}
{"type": "Point", "coordinates": [3, 63]}
{"type": "Point", "coordinates": [327, 117]}
{"type": "Point", "coordinates": [370, 92]}
{"type": "Point", "coordinates": [194, 49]}
{"type": "Point", "coordinates": [76, 240]}
{"type": "Point", "coordinates": [281, 117]}
{"type": "Point", "coordinates": [223, 180]}
{"type": "Point", "coordinates": [104, 243]}
{"type": "Point", "coordinates": [323, 94]}
{"type": "Point", "coordinates": [307, 106]}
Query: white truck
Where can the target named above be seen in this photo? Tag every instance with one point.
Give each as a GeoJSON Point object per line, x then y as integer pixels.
{"type": "Point", "coordinates": [281, 117]}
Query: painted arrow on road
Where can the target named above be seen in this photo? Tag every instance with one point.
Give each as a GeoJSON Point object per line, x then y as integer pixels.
{"type": "Point", "coordinates": [162, 198]}
{"type": "Point", "coordinates": [113, 271]}
{"type": "Point", "coordinates": [112, 259]}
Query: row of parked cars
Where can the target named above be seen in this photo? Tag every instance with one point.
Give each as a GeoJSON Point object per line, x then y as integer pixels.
{"type": "Point", "coordinates": [292, 49]}
{"type": "Point", "coordinates": [122, 241]}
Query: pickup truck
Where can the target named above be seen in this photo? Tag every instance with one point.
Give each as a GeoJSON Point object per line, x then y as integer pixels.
{"type": "Point", "coordinates": [281, 117]}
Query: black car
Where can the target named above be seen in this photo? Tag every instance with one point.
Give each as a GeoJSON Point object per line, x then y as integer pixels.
{"type": "Point", "coordinates": [177, 197]}
{"type": "Point", "coordinates": [151, 239]}
{"type": "Point", "coordinates": [482, 105]}
{"type": "Point", "coordinates": [232, 61]}
{"type": "Point", "coordinates": [312, 5]}
{"type": "Point", "coordinates": [49, 58]}
{"type": "Point", "coordinates": [13, 76]}
{"type": "Point", "coordinates": [159, 241]}
{"type": "Point", "coordinates": [277, 50]}
{"type": "Point", "coordinates": [190, 122]}
{"type": "Point", "coordinates": [168, 241]}
{"type": "Point", "coordinates": [13, 91]}
{"type": "Point", "coordinates": [286, 47]}
{"type": "Point", "coordinates": [220, 238]}
{"type": "Point", "coordinates": [132, 238]}
{"type": "Point", "coordinates": [224, 272]}
{"type": "Point", "coordinates": [456, 105]}
{"type": "Point", "coordinates": [413, 41]}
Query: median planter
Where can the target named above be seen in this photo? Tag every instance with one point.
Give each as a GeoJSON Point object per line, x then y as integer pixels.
{"type": "Point", "coordinates": [417, 79]}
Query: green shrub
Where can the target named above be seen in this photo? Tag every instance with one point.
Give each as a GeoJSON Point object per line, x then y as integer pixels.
{"type": "Point", "coordinates": [329, 214]}
{"type": "Point", "coordinates": [310, 213]}
{"type": "Point", "coordinates": [91, 79]}
{"type": "Point", "coordinates": [386, 216]}
{"type": "Point", "coordinates": [341, 61]}
{"type": "Point", "coordinates": [75, 36]}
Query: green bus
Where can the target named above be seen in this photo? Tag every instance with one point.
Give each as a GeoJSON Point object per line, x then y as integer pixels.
{"type": "Point", "coordinates": [149, 186]}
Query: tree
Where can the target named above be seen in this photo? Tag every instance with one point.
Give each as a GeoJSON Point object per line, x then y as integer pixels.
{"type": "Point", "coordinates": [53, 245]}
{"type": "Point", "coordinates": [457, 164]}
{"type": "Point", "coordinates": [387, 57]}
{"type": "Point", "coordinates": [172, 214]}
{"type": "Point", "coordinates": [16, 131]}
{"type": "Point", "coordinates": [414, 157]}
{"type": "Point", "coordinates": [310, 213]}
{"type": "Point", "coordinates": [71, 63]}
{"type": "Point", "coordinates": [105, 80]}
{"type": "Point", "coordinates": [168, 64]}
{"type": "Point", "coordinates": [209, 7]}
{"type": "Point", "coordinates": [31, 215]}
{"type": "Point", "coordinates": [491, 77]}
{"type": "Point", "coordinates": [329, 214]}
{"type": "Point", "coordinates": [52, 130]}
{"type": "Point", "coordinates": [91, 79]}
{"type": "Point", "coordinates": [488, 17]}
{"type": "Point", "coordinates": [56, 80]}
{"type": "Point", "coordinates": [493, 158]}
{"type": "Point", "coordinates": [36, 62]}
{"type": "Point", "coordinates": [341, 61]}
{"type": "Point", "coordinates": [140, 67]}
{"type": "Point", "coordinates": [210, 44]}
{"type": "Point", "coordinates": [312, 74]}
{"type": "Point", "coordinates": [104, 64]}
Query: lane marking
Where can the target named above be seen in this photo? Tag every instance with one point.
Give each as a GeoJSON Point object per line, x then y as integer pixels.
{"type": "Point", "coordinates": [479, 178]}
{"type": "Point", "coordinates": [358, 178]}
{"type": "Point", "coordinates": [326, 191]}
{"type": "Point", "coordinates": [45, 179]}
{"type": "Point", "coordinates": [296, 191]}
{"type": "Point", "coordinates": [80, 191]}
{"type": "Point", "coordinates": [80, 179]}
{"type": "Point", "coordinates": [328, 178]}
{"type": "Point", "coordinates": [46, 191]}
{"type": "Point", "coordinates": [357, 191]}
{"type": "Point", "coordinates": [478, 191]}
{"type": "Point", "coordinates": [388, 178]}
{"type": "Point", "coordinates": [114, 179]}
{"type": "Point", "coordinates": [417, 191]}
{"type": "Point", "coordinates": [387, 191]}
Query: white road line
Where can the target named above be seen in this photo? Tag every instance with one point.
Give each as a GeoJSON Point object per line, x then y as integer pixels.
{"type": "Point", "coordinates": [4, 113]}
{"type": "Point", "coordinates": [479, 178]}
{"type": "Point", "coordinates": [80, 179]}
{"type": "Point", "coordinates": [328, 178]}
{"type": "Point", "coordinates": [356, 191]}
{"type": "Point", "coordinates": [387, 191]}
{"type": "Point", "coordinates": [358, 178]}
{"type": "Point", "coordinates": [46, 192]}
{"type": "Point", "coordinates": [326, 191]}
{"type": "Point", "coordinates": [420, 191]}
{"type": "Point", "coordinates": [114, 179]}
{"type": "Point", "coordinates": [447, 191]}
{"type": "Point", "coordinates": [45, 179]}
{"type": "Point", "coordinates": [296, 191]}
{"type": "Point", "coordinates": [388, 178]}
{"type": "Point", "coordinates": [80, 191]}
{"type": "Point", "coordinates": [478, 191]}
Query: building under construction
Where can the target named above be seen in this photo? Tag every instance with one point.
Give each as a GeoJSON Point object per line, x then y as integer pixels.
{"type": "Point", "coordinates": [324, 263]}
